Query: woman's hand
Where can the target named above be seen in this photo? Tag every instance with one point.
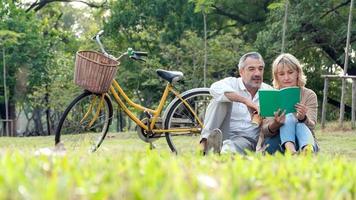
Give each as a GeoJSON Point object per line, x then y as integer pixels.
{"type": "Point", "coordinates": [301, 111]}
{"type": "Point", "coordinates": [279, 117]}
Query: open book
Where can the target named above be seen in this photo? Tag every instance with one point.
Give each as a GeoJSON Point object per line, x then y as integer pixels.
{"type": "Point", "coordinates": [272, 100]}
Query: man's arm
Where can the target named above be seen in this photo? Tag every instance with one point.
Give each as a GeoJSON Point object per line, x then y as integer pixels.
{"type": "Point", "coordinates": [233, 96]}
{"type": "Point", "coordinates": [223, 91]}
{"type": "Point", "coordinates": [219, 88]}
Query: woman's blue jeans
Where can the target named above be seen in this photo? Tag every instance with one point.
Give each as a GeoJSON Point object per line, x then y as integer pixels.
{"type": "Point", "coordinates": [291, 131]}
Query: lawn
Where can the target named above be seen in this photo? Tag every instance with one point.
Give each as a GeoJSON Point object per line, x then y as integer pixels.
{"type": "Point", "coordinates": [125, 168]}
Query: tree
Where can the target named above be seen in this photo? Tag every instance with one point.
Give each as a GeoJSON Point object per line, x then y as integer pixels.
{"type": "Point", "coordinates": [39, 4]}
{"type": "Point", "coordinates": [21, 54]}
{"type": "Point", "coordinates": [54, 87]}
{"type": "Point", "coordinates": [316, 35]}
{"type": "Point", "coordinates": [204, 6]}
{"type": "Point", "coordinates": [7, 38]}
{"type": "Point", "coordinates": [43, 48]}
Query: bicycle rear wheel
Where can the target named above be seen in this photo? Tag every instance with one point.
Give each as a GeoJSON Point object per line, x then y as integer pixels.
{"type": "Point", "coordinates": [74, 130]}
{"type": "Point", "coordinates": [179, 116]}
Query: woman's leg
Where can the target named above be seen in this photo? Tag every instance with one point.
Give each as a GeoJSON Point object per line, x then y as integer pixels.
{"type": "Point", "coordinates": [287, 133]}
{"type": "Point", "coordinates": [304, 136]}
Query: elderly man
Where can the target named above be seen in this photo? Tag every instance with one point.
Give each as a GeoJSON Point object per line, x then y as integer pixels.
{"type": "Point", "coordinates": [228, 124]}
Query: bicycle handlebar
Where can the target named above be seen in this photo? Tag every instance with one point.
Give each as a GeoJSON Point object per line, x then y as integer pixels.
{"type": "Point", "coordinates": [141, 53]}
{"type": "Point", "coordinates": [136, 55]}
{"type": "Point", "coordinates": [100, 33]}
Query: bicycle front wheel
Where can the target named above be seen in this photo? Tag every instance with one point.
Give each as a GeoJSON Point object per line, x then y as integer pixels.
{"type": "Point", "coordinates": [85, 122]}
{"type": "Point", "coordinates": [180, 117]}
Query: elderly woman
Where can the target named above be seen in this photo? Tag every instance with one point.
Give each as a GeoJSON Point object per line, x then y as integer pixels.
{"type": "Point", "coordinates": [291, 132]}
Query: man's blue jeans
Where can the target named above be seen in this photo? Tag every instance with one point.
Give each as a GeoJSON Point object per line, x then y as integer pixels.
{"type": "Point", "coordinates": [291, 131]}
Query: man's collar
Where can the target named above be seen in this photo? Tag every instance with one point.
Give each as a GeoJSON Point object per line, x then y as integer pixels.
{"type": "Point", "coordinates": [241, 84]}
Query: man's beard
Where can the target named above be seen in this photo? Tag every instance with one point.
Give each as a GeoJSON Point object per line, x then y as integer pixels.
{"type": "Point", "coordinates": [251, 84]}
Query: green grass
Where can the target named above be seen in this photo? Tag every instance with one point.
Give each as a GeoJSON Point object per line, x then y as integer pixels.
{"type": "Point", "coordinates": [125, 168]}
{"type": "Point", "coordinates": [337, 141]}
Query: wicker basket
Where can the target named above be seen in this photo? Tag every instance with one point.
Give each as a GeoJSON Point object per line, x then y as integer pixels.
{"type": "Point", "coordinates": [94, 71]}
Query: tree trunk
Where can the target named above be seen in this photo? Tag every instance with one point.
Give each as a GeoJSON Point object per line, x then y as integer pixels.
{"type": "Point", "coordinates": [12, 118]}
{"type": "Point", "coordinates": [37, 115]}
{"type": "Point", "coordinates": [119, 120]}
{"type": "Point", "coordinates": [48, 114]}
{"type": "Point", "coordinates": [205, 48]}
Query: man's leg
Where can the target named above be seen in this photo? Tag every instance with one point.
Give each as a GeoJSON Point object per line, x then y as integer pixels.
{"type": "Point", "coordinates": [239, 145]}
{"type": "Point", "coordinates": [274, 144]}
{"type": "Point", "coordinates": [217, 116]}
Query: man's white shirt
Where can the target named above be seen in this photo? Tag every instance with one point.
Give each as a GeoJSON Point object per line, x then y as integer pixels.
{"type": "Point", "coordinates": [240, 116]}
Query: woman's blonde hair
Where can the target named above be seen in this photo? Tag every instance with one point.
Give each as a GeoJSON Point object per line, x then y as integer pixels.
{"type": "Point", "coordinates": [288, 60]}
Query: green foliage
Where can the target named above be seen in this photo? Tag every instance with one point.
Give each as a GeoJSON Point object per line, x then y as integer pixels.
{"type": "Point", "coordinates": [40, 56]}
{"type": "Point", "coordinates": [222, 56]}
{"type": "Point", "coordinates": [125, 169]}
{"type": "Point", "coordinates": [8, 38]}
{"type": "Point", "coordinates": [36, 50]}
{"type": "Point", "coordinates": [204, 6]}
{"type": "Point", "coordinates": [276, 5]}
{"type": "Point", "coordinates": [23, 28]}
{"type": "Point", "coordinates": [169, 18]}
{"type": "Point", "coordinates": [62, 89]}
{"type": "Point", "coordinates": [315, 34]}
{"type": "Point", "coordinates": [172, 46]}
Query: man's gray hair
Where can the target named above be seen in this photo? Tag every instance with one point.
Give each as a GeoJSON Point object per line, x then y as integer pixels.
{"type": "Point", "coordinates": [254, 55]}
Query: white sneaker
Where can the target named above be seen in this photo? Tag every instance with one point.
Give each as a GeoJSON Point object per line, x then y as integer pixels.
{"type": "Point", "coordinates": [227, 147]}
{"type": "Point", "coordinates": [214, 141]}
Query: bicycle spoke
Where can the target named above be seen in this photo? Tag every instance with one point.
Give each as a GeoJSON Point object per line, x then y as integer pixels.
{"type": "Point", "coordinates": [74, 131]}
{"type": "Point", "coordinates": [181, 117]}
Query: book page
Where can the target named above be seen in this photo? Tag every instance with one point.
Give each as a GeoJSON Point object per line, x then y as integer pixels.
{"type": "Point", "coordinates": [269, 102]}
{"type": "Point", "coordinates": [290, 96]}
{"type": "Point", "coordinates": [272, 100]}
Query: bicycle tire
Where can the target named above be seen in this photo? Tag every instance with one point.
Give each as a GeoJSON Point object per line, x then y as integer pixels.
{"type": "Point", "coordinates": [198, 99]}
{"type": "Point", "coordinates": [73, 134]}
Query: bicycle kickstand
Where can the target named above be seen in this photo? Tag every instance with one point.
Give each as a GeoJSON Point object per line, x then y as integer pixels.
{"type": "Point", "coordinates": [149, 116]}
{"type": "Point", "coordinates": [152, 146]}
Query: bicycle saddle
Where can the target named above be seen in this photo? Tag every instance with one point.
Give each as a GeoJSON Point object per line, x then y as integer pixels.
{"type": "Point", "coordinates": [170, 76]}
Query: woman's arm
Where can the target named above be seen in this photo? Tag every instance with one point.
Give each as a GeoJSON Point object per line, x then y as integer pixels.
{"type": "Point", "coordinates": [311, 102]}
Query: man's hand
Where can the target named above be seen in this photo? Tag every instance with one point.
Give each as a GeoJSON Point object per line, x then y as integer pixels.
{"type": "Point", "coordinates": [301, 111]}
{"type": "Point", "coordinates": [251, 106]}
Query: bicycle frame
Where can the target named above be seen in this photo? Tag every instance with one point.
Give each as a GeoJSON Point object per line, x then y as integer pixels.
{"type": "Point", "coordinates": [117, 91]}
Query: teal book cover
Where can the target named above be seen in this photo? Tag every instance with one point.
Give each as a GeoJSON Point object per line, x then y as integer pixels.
{"type": "Point", "coordinates": [272, 100]}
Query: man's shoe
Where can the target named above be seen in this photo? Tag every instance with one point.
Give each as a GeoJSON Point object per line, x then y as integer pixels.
{"type": "Point", "coordinates": [214, 141]}
{"type": "Point", "coordinates": [203, 146]}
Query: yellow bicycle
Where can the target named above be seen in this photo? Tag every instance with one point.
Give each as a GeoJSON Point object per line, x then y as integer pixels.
{"type": "Point", "coordinates": [87, 118]}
